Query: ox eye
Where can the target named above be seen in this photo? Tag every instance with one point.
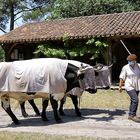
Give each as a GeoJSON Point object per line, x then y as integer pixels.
{"type": "Point", "coordinates": [81, 76]}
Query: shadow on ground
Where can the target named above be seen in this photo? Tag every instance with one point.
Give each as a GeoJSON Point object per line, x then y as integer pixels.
{"type": "Point", "coordinates": [70, 116]}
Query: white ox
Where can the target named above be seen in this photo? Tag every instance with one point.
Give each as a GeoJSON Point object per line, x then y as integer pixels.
{"type": "Point", "coordinates": [42, 78]}
{"type": "Point", "coordinates": [102, 77]}
{"type": "Point", "coordinates": [103, 81]}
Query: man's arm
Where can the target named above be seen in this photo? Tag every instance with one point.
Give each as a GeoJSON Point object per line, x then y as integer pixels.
{"type": "Point", "coordinates": [120, 85]}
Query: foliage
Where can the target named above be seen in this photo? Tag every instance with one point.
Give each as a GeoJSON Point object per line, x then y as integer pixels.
{"type": "Point", "coordinates": [2, 54]}
{"type": "Point", "coordinates": [72, 48]}
{"type": "Point", "coordinates": [76, 8]}
{"type": "Point", "coordinates": [48, 50]}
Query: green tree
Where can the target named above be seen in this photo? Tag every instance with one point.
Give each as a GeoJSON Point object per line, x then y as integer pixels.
{"type": "Point", "coordinates": [12, 10]}
{"type": "Point", "coordinates": [75, 8]}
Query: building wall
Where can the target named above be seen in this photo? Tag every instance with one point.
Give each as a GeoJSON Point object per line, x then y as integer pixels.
{"type": "Point", "coordinates": [19, 51]}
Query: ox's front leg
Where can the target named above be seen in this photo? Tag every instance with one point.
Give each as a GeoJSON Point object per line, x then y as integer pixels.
{"type": "Point", "coordinates": [44, 106]}
{"type": "Point", "coordinates": [54, 104]}
{"type": "Point", "coordinates": [75, 102]}
{"type": "Point", "coordinates": [5, 102]}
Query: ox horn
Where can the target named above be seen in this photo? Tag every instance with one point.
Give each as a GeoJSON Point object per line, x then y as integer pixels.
{"type": "Point", "coordinates": [98, 67]}
{"type": "Point", "coordinates": [110, 65]}
{"type": "Point", "coordinates": [83, 68]}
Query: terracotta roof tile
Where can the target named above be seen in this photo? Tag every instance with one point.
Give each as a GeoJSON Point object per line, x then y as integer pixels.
{"type": "Point", "coordinates": [109, 25]}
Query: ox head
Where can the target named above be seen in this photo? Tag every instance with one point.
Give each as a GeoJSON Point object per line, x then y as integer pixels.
{"type": "Point", "coordinates": [86, 76]}
{"type": "Point", "coordinates": [102, 76]}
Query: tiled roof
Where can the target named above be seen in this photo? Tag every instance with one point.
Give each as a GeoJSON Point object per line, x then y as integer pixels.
{"type": "Point", "coordinates": [109, 25]}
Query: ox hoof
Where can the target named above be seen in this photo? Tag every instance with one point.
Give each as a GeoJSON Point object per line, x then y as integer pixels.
{"type": "Point", "coordinates": [79, 114]}
{"type": "Point", "coordinates": [59, 121]}
{"type": "Point", "coordinates": [45, 119]}
{"type": "Point", "coordinates": [61, 113]}
{"type": "Point", "coordinates": [16, 122]}
{"type": "Point", "coordinates": [38, 114]}
{"type": "Point", "coordinates": [25, 115]}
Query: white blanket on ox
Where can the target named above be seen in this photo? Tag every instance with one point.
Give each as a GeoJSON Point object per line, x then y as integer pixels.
{"type": "Point", "coordinates": [35, 75]}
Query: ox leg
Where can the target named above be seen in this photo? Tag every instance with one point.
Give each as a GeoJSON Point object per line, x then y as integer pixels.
{"type": "Point", "coordinates": [44, 106]}
{"type": "Point", "coordinates": [23, 111]}
{"type": "Point", "coordinates": [54, 104]}
{"type": "Point", "coordinates": [5, 102]}
{"type": "Point", "coordinates": [62, 101]}
{"type": "Point", "coordinates": [32, 103]}
{"type": "Point", "coordinates": [75, 102]}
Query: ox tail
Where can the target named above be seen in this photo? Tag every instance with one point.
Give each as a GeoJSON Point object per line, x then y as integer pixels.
{"type": "Point", "coordinates": [79, 101]}
{"type": "Point", "coordinates": [15, 104]}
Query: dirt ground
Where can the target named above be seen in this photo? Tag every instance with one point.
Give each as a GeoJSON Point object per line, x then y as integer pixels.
{"type": "Point", "coordinates": [98, 123]}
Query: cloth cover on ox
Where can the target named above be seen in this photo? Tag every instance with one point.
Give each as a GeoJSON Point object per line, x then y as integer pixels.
{"type": "Point", "coordinates": [35, 75]}
{"type": "Point", "coordinates": [39, 75]}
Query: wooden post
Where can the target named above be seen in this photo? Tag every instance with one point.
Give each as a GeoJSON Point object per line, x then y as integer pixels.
{"type": "Point", "coordinates": [109, 56]}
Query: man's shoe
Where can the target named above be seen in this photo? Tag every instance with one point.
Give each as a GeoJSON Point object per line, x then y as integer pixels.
{"type": "Point", "coordinates": [134, 118]}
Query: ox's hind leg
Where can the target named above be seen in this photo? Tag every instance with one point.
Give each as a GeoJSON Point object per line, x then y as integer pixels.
{"type": "Point", "coordinates": [44, 106]}
{"type": "Point", "coordinates": [54, 104]}
{"type": "Point", "coordinates": [5, 102]}
{"type": "Point", "coordinates": [62, 101]}
{"type": "Point", "coordinates": [75, 102]}
{"type": "Point", "coordinates": [32, 103]}
{"type": "Point", "coordinates": [23, 111]}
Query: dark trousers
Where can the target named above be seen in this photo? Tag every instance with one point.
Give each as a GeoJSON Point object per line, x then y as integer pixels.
{"type": "Point", "coordinates": [134, 102]}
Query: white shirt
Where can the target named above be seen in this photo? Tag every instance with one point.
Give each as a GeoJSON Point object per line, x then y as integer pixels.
{"type": "Point", "coordinates": [131, 76]}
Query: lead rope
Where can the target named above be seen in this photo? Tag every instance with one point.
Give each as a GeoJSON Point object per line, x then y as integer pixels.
{"type": "Point", "coordinates": [125, 46]}
{"type": "Point", "coordinates": [128, 51]}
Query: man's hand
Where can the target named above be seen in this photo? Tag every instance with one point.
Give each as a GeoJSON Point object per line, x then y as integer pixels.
{"type": "Point", "coordinates": [120, 89]}
{"type": "Point", "coordinates": [120, 85]}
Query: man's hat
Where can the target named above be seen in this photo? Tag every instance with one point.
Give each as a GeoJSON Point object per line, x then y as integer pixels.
{"type": "Point", "coordinates": [131, 57]}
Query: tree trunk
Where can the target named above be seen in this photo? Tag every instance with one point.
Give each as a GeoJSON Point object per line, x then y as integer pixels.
{"type": "Point", "coordinates": [12, 18]}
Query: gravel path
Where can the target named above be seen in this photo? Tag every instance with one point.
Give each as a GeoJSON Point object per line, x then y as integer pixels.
{"type": "Point", "coordinates": [99, 123]}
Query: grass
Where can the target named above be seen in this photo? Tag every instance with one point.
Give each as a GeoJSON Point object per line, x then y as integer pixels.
{"type": "Point", "coordinates": [105, 99]}
{"type": "Point", "coordinates": [38, 136]}
{"type": "Point", "coordinates": [102, 99]}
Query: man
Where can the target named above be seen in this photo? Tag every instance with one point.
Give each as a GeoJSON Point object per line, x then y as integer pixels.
{"type": "Point", "coordinates": [130, 75]}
